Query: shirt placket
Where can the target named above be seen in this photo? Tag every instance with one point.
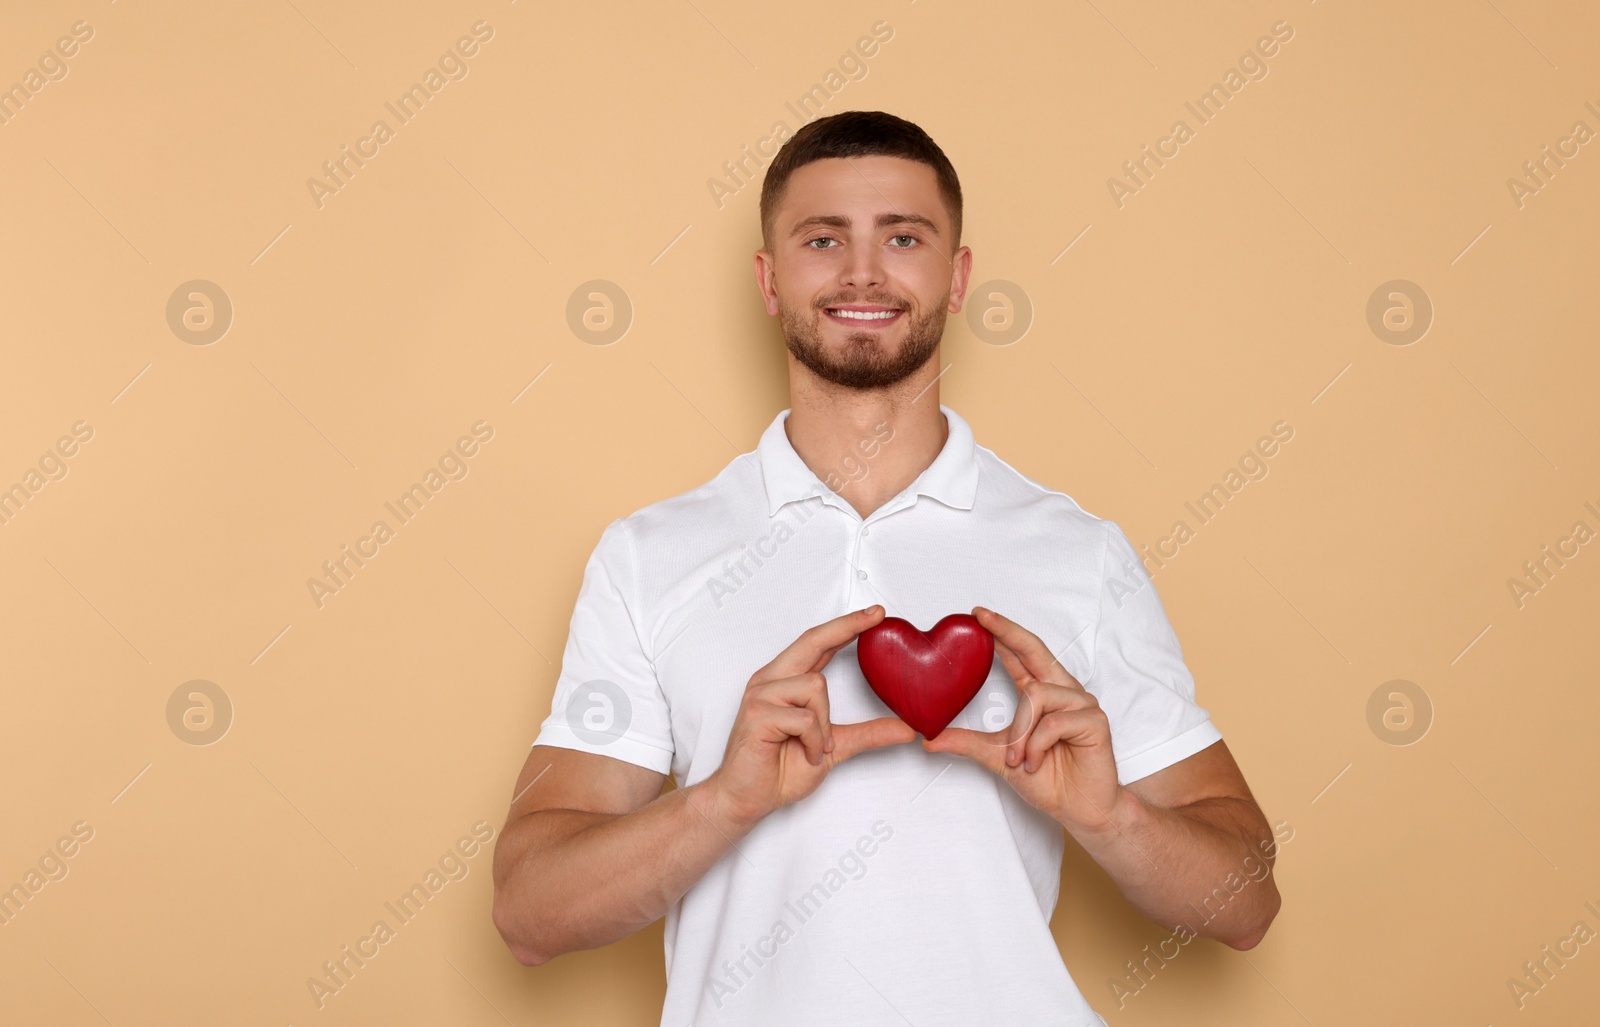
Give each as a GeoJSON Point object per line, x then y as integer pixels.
{"type": "Point", "coordinates": [862, 588]}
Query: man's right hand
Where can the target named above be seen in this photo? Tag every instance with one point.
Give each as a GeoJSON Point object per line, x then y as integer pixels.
{"type": "Point", "coordinates": [782, 743]}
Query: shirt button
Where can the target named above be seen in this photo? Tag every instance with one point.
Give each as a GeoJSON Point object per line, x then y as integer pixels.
{"type": "Point", "coordinates": [866, 530]}
{"type": "Point", "coordinates": [861, 574]}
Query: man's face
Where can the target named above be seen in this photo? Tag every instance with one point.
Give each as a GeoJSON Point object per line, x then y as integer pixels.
{"type": "Point", "coordinates": [860, 272]}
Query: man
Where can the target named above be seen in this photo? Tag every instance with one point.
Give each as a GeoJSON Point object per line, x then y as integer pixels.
{"type": "Point", "coordinates": [814, 866]}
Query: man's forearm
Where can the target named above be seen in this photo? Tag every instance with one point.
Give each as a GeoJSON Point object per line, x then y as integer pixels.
{"type": "Point", "coordinates": [569, 879]}
{"type": "Point", "coordinates": [1169, 862]}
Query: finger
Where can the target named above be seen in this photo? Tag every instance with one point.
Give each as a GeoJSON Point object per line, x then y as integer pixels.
{"type": "Point", "coordinates": [981, 746]}
{"type": "Point", "coordinates": [1036, 657]}
{"type": "Point", "coordinates": [849, 739]}
{"type": "Point", "coordinates": [1074, 727]}
{"type": "Point", "coordinates": [780, 723]}
{"type": "Point", "coordinates": [1029, 706]}
{"type": "Point", "coordinates": [806, 690]}
{"type": "Point", "coordinates": [808, 651]}
{"type": "Point", "coordinates": [1013, 665]}
{"type": "Point", "coordinates": [1024, 715]}
{"type": "Point", "coordinates": [827, 656]}
{"type": "Point", "coordinates": [1042, 699]}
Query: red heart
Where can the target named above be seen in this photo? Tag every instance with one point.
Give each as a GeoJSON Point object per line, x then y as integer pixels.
{"type": "Point", "coordinates": [926, 678]}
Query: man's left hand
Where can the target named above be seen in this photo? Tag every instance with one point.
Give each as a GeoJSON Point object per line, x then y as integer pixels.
{"type": "Point", "coordinates": [1056, 753]}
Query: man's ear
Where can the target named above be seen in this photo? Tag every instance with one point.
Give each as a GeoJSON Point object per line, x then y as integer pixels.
{"type": "Point", "coordinates": [960, 278]}
{"type": "Point", "coordinates": [766, 280]}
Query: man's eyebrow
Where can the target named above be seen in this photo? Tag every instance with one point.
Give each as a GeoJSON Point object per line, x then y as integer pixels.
{"type": "Point", "coordinates": [882, 221]}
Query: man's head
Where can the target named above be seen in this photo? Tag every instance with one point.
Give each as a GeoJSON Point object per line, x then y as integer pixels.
{"type": "Point", "coordinates": [861, 262]}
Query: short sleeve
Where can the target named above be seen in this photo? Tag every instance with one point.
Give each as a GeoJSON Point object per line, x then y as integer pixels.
{"type": "Point", "coordinates": [608, 700]}
{"type": "Point", "coordinates": [1138, 675]}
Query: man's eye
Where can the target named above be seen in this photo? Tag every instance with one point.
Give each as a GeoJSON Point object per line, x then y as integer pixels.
{"type": "Point", "coordinates": [820, 238]}
{"type": "Point", "coordinates": [912, 238]}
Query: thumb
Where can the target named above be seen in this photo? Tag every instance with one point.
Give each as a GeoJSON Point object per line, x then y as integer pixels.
{"type": "Point", "coordinates": [986, 747]}
{"type": "Point", "coordinates": [849, 739]}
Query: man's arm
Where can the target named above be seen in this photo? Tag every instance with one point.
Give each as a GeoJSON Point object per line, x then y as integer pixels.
{"type": "Point", "coordinates": [1169, 839]}
{"type": "Point", "coordinates": [588, 857]}
{"type": "Point", "coordinates": [1186, 834]}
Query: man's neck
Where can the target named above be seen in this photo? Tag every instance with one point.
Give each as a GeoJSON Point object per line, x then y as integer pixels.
{"type": "Point", "coordinates": [867, 446]}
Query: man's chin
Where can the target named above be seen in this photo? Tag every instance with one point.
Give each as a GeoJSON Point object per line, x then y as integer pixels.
{"type": "Point", "coordinates": [860, 359]}
{"type": "Point", "coordinates": [853, 359]}
{"type": "Point", "coordinates": [860, 375]}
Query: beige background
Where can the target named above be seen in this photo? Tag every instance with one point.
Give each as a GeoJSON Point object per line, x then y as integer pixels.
{"type": "Point", "coordinates": [1230, 293]}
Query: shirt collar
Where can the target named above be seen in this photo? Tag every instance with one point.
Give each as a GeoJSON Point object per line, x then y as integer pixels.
{"type": "Point", "coordinates": [952, 478]}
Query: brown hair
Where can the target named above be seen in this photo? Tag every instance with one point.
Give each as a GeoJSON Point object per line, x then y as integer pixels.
{"type": "Point", "coordinates": [858, 134]}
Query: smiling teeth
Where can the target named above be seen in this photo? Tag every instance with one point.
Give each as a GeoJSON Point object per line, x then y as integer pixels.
{"type": "Point", "coordinates": [865, 315]}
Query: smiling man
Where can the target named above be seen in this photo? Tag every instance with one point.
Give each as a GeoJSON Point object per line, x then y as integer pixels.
{"type": "Point", "coordinates": [814, 863]}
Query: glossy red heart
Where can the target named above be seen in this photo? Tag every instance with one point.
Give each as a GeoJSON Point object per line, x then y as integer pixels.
{"type": "Point", "coordinates": [926, 678]}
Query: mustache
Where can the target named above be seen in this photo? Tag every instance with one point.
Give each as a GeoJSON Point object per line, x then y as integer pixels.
{"type": "Point", "coordinates": [885, 301]}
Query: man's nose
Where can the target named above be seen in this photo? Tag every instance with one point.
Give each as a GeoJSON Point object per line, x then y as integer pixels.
{"type": "Point", "coordinates": [864, 268]}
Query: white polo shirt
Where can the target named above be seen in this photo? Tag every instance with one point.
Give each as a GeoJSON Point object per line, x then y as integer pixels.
{"type": "Point", "coordinates": [910, 886]}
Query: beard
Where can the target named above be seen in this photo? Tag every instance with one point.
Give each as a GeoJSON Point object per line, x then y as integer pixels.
{"type": "Point", "coordinates": [863, 363]}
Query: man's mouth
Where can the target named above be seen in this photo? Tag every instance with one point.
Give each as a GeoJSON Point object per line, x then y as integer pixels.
{"type": "Point", "coordinates": [864, 315]}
